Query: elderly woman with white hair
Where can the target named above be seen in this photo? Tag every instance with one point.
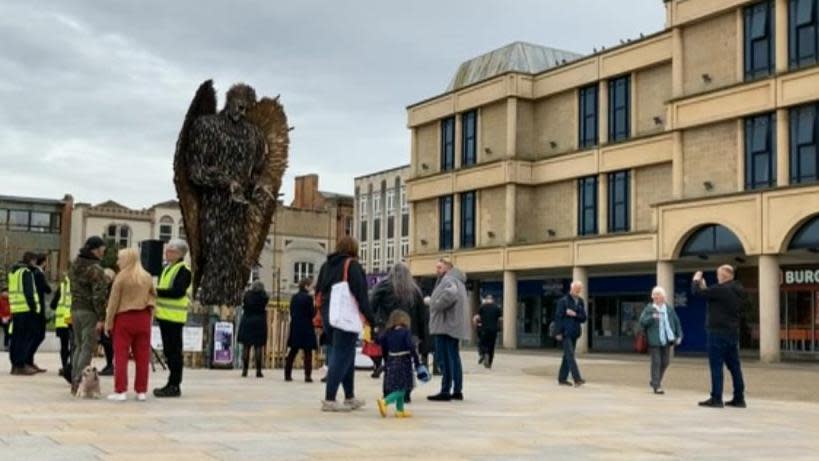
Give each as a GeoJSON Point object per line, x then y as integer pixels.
{"type": "Point", "coordinates": [663, 329]}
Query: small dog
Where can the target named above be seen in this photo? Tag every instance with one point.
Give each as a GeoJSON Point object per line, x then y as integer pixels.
{"type": "Point", "coordinates": [89, 387]}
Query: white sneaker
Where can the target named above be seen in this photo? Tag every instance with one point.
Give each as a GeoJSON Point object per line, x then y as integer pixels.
{"type": "Point", "coordinates": [141, 397]}
{"type": "Point", "coordinates": [354, 404]}
{"type": "Point", "coordinates": [115, 397]}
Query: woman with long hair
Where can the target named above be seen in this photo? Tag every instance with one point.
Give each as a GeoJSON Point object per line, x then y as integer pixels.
{"type": "Point", "coordinates": [129, 315]}
{"type": "Point", "coordinates": [399, 291]}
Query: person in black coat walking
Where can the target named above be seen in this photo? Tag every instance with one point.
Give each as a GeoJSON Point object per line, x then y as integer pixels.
{"type": "Point", "coordinates": [570, 314]}
{"type": "Point", "coordinates": [253, 329]}
{"type": "Point", "coordinates": [302, 336]}
{"type": "Point", "coordinates": [43, 289]}
{"type": "Point", "coordinates": [399, 291]}
{"type": "Point", "coordinates": [342, 360]}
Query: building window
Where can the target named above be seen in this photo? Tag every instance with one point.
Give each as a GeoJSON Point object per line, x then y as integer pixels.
{"type": "Point", "coordinates": [4, 217]}
{"type": "Point", "coordinates": [404, 203]}
{"type": "Point", "coordinates": [447, 144]}
{"type": "Point", "coordinates": [390, 201]}
{"type": "Point", "coordinates": [376, 257]}
{"type": "Point", "coordinates": [587, 209]}
{"type": "Point", "coordinates": [405, 225]}
{"type": "Point", "coordinates": [760, 152]}
{"type": "Point", "coordinates": [804, 149]}
{"type": "Point", "coordinates": [376, 230]}
{"type": "Point", "coordinates": [40, 222]}
{"type": "Point", "coordinates": [391, 227]}
{"type": "Point", "coordinates": [404, 248]}
{"type": "Point", "coordinates": [363, 255]}
{"type": "Point", "coordinates": [445, 222]}
{"type": "Point", "coordinates": [390, 254]}
{"type": "Point", "coordinates": [470, 138]}
{"type": "Point", "coordinates": [803, 34]}
{"type": "Point", "coordinates": [120, 234]}
{"type": "Point", "coordinates": [362, 205]}
{"type": "Point", "coordinates": [18, 220]}
{"type": "Point", "coordinates": [348, 226]}
{"type": "Point", "coordinates": [619, 109]}
{"type": "Point", "coordinates": [182, 234]}
{"type": "Point", "coordinates": [588, 116]}
{"type": "Point", "coordinates": [301, 271]}
{"type": "Point", "coordinates": [363, 236]}
{"type": "Point", "coordinates": [759, 46]}
{"type": "Point", "coordinates": [166, 228]}
{"type": "Point", "coordinates": [376, 204]}
{"type": "Point", "coordinates": [619, 201]}
{"type": "Point", "coordinates": [468, 220]}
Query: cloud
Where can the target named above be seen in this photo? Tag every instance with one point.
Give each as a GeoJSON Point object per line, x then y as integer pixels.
{"type": "Point", "coordinates": [94, 93]}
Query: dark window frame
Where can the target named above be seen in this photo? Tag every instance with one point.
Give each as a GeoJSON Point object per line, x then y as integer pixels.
{"type": "Point", "coordinates": [586, 204]}
{"type": "Point", "coordinates": [448, 144]}
{"type": "Point", "coordinates": [469, 144]}
{"type": "Point", "coordinates": [753, 151]}
{"type": "Point", "coordinates": [390, 227]}
{"type": "Point", "coordinates": [19, 227]}
{"type": "Point", "coordinates": [405, 224]}
{"type": "Point", "coordinates": [757, 38]}
{"type": "Point", "coordinates": [468, 219]}
{"type": "Point", "coordinates": [798, 143]}
{"type": "Point", "coordinates": [363, 229]}
{"type": "Point", "coordinates": [377, 229]}
{"type": "Point", "coordinates": [588, 123]}
{"type": "Point", "coordinates": [445, 223]}
{"type": "Point", "coordinates": [619, 87]}
{"type": "Point", "coordinates": [619, 190]}
{"type": "Point", "coordinates": [802, 33]}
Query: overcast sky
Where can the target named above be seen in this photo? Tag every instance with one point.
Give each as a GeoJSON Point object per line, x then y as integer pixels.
{"type": "Point", "coordinates": [93, 93]}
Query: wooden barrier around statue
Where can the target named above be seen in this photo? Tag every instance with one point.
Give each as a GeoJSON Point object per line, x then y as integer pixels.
{"type": "Point", "coordinates": [278, 330]}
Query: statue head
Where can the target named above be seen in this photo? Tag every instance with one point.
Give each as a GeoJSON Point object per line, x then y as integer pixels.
{"type": "Point", "coordinates": [240, 98]}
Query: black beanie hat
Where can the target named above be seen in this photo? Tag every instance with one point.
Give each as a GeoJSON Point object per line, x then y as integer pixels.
{"type": "Point", "coordinates": [93, 243]}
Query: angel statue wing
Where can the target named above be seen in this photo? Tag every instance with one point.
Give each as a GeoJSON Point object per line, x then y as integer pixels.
{"type": "Point", "coordinates": [267, 114]}
{"type": "Point", "coordinates": [204, 103]}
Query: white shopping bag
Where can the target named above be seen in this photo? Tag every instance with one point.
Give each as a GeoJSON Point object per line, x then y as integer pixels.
{"type": "Point", "coordinates": [344, 313]}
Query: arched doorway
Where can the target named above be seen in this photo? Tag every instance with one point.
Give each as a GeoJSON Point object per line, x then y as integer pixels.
{"type": "Point", "coordinates": [800, 292]}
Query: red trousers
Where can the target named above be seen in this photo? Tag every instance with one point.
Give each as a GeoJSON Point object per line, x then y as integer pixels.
{"type": "Point", "coordinates": [132, 331]}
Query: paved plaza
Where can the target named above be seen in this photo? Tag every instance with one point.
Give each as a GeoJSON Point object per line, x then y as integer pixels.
{"type": "Point", "coordinates": [515, 411]}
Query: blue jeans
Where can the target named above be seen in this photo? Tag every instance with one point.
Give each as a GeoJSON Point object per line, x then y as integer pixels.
{"type": "Point", "coordinates": [724, 349]}
{"type": "Point", "coordinates": [341, 370]}
{"type": "Point", "coordinates": [569, 364]}
{"type": "Point", "coordinates": [449, 361]}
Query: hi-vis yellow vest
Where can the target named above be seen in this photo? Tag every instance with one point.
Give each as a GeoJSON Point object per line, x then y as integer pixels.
{"type": "Point", "coordinates": [17, 297]}
{"type": "Point", "coordinates": [172, 309]}
{"type": "Point", "coordinates": [63, 314]}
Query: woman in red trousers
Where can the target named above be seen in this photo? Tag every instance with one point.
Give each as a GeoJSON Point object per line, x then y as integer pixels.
{"type": "Point", "coordinates": [130, 307]}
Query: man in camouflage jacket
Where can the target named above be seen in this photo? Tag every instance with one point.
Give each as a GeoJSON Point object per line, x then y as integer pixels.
{"type": "Point", "coordinates": [89, 289]}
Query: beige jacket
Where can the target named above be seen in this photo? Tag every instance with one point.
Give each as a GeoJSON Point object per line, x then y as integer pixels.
{"type": "Point", "coordinates": [128, 296]}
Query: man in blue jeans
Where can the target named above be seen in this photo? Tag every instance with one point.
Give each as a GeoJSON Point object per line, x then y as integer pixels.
{"type": "Point", "coordinates": [726, 301]}
{"type": "Point", "coordinates": [448, 326]}
{"type": "Point", "coordinates": [570, 314]}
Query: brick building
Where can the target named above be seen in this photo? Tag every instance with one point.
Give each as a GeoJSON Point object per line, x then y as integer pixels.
{"type": "Point", "coordinates": [634, 166]}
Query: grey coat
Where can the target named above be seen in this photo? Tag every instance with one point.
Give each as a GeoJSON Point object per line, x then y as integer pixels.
{"type": "Point", "coordinates": [447, 306]}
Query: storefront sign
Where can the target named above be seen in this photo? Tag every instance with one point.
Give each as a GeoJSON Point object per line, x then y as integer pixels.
{"type": "Point", "coordinates": [801, 277]}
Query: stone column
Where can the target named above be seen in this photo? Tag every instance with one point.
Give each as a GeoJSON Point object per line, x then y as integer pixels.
{"type": "Point", "coordinates": [510, 213]}
{"type": "Point", "coordinates": [781, 35]}
{"type": "Point", "coordinates": [510, 310]}
{"type": "Point", "coordinates": [603, 203]}
{"type": "Point", "coordinates": [665, 279]}
{"type": "Point", "coordinates": [579, 274]}
{"type": "Point", "coordinates": [458, 145]}
{"type": "Point", "coordinates": [456, 222]}
{"type": "Point", "coordinates": [603, 112]}
{"type": "Point", "coordinates": [769, 346]}
{"type": "Point", "coordinates": [511, 127]}
{"type": "Point", "coordinates": [782, 148]}
{"type": "Point", "coordinates": [676, 63]}
{"type": "Point", "coordinates": [677, 173]}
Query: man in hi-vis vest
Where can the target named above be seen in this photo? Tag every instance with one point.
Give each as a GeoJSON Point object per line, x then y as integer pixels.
{"type": "Point", "coordinates": [172, 312]}
{"type": "Point", "coordinates": [25, 309]}
{"type": "Point", "coordinates": [61, 305]}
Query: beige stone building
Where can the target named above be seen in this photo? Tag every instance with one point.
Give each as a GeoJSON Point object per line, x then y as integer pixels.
{"type": "Point", "coordinates": [382, 219]}
{"type": "Point", "coordinates": [634, 166]}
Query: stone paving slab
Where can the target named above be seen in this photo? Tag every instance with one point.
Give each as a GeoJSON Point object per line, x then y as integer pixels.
{"type": "Point", "coordinates": [509, 414]}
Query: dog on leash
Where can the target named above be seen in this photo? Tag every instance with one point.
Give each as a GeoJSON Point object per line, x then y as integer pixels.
{"type": "Point", "coordinates": [89, 387]}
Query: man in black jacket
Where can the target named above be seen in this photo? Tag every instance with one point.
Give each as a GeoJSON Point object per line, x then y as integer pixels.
{"type": "Point", "coordinates": [488, 323]}
{"type": "Point", "coordinates": [570, 314]}
{"type": "Point", "coordinates": [726, 301]}
{"type": "Point", "coordinates": [25, 310]}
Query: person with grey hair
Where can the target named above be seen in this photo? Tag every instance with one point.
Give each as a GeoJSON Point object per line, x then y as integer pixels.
{"type": "Point", "coordinates": [173, 299]}
{"type": "Point", "coordinates": [662, 329]}
{"type": "Point", "coordinates": [570, 314]}
{"type": "Point", "coordinates": [253, 329]}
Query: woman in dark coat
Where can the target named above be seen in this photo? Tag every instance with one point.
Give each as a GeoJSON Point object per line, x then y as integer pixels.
{"type": "Point", "coordinates": [253, 329]}
{"type": "Point", "coordinates": [302, 335]}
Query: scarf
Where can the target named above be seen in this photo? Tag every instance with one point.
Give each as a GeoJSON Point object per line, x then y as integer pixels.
{"type": "Point", "coordinates": [666, 333]}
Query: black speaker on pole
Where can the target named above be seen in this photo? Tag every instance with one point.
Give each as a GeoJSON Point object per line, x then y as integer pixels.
{"type": "Point", "coordinates": [150, 253]}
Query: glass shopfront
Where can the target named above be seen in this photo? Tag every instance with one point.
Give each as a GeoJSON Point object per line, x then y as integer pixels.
{"type": "Point", "coordinates": [799, 311]}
